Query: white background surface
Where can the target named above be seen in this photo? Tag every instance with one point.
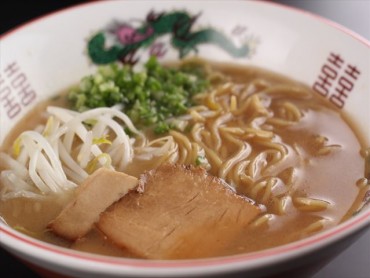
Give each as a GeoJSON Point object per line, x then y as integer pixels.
{"type": "Point", "coordinates": [354, 15]}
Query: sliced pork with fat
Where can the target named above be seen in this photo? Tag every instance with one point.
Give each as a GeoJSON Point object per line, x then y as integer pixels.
{"type": "Point", "coordinates": [182, 213]}
{"type": "Point", "coordinates": [95, 195]}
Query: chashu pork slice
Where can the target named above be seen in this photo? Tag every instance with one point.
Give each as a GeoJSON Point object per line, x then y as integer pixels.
{"type": "Point", "coordinates": [94, 195]}
{"type": "Point", "coordinates": [182, 213]}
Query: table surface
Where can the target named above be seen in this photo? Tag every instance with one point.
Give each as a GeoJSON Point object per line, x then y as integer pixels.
{"type": "Point", "coordinates": [353, 14]}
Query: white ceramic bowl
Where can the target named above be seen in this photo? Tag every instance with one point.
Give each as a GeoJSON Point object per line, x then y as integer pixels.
{"type": "Point", "coordinates": [49, 54]}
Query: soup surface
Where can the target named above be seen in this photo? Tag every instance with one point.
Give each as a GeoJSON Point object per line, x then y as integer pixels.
{"type": "Point", "coordinates": [270, 138]}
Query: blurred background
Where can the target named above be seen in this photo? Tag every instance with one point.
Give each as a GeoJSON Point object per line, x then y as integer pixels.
{"type": "Point", "coordinates": [352, 14]}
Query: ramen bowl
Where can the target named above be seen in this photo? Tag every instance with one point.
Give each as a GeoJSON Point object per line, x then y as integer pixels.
{"type": "Point", "coordinates": [46, 56]}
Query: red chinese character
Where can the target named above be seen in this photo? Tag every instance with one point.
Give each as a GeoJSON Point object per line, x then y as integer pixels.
{"type": "Point", "coordinates": [12, 107]}
{"type": "Point", "coordinates": [19, 81]}
{"type": "Point", "coordinates": [11, 69]}
{"type": "Point", "coordinates": [337, 100]}
{"type": "Point", "coordinates": [335, 60]}
{"type": "Point", "coordinates": [352, 71]}
{"type": "Point", "coordinates": [27, 95]}
{"type": "Point", "coordinates": [344, 87]}
{"type": "Point", "coordinates": [4, 91]}
{"type": "Point", "coordinates": [328, 74]}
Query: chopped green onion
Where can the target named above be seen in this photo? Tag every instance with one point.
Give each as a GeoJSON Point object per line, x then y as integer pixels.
{"type": "Point", "coordinates": [148, 97]}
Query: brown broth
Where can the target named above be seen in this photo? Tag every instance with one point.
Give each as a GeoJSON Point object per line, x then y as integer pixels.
{"type": "Point", "coordinates": [331, 177]}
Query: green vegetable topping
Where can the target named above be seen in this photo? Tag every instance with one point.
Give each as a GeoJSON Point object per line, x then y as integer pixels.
{"type": "Point", "coordinates": [148, 97]}
{"type": "Point", "coordinates": [200, 160]}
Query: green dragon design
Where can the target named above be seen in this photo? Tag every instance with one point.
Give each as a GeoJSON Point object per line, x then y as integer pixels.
{"type": "Point", "coordinates": [178, 23]}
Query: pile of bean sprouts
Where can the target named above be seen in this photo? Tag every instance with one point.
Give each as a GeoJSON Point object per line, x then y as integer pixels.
{"type": "Point", "coordinates": [59, 155]}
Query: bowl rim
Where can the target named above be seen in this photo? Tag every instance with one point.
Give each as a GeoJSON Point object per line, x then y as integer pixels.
{"type": "Point", "coordinates": [71, 258]}
{"type": "Point", "coordinates": [327, 21]}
